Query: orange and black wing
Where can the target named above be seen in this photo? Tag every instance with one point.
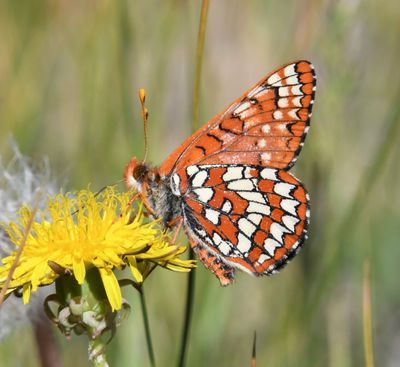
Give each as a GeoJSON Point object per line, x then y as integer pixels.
{"type": "Point", "coordinates": [249, 217]}
{"type": "Point", "coordinates": [266, 126]}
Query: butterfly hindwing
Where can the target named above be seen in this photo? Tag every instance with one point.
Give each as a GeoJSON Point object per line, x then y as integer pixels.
{"type": "Point", "coordinates": [251, 217]}
{"type": "Point", "coordinates": [266, 126]}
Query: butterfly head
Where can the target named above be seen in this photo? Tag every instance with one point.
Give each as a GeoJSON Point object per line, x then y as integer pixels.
{"type": "Point", "coordinates": [135, 173]}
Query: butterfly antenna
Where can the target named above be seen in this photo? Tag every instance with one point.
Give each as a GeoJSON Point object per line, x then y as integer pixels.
{"type": "Point", "coordinates": [145, 115]}
{"type": "Point", "coordinates": [104, 187]}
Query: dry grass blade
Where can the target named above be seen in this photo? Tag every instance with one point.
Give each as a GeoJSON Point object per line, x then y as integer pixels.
{"type": "Point", "coordinates": [18, 255]}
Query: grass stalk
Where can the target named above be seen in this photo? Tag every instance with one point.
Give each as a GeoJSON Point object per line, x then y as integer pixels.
{"type": "Point", "coordinates": [147, 328]}
{"type": "Point", "coordinates": [10, 274]}
{"type": "Point", "coordinates": [195, 122]}
{"type": "Point", "coordinates": [367, 316]}
{"type": "Point", "coordinates": [199, 64]}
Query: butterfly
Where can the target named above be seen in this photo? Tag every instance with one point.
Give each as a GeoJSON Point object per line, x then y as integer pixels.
{"type": "Point", "coordinates": [228, 183]}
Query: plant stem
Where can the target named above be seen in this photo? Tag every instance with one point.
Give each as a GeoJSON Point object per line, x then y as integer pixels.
{"type": "Point", "coordinates": [195, 123]}
{"type": "Point", "coordinates": [188, 314]}
{"type": "Point", "coordinates": [199, 64]}
{"type": "Point", "coordinates": [147, 328]}
{"type": "Point", "coordinates": [97, 353]}
{"type": "Point", "coordinates": [367, 317]}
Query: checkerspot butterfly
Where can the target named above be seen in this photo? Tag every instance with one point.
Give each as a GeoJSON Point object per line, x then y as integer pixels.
{"type": "Point", "coordinates": [228, 182]}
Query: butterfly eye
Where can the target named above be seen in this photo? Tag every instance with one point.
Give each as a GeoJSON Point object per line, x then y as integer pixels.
{"type": "Point", "coordinates": [139, 172]}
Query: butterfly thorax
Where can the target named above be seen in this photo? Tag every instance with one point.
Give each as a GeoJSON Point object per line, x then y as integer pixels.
{"type": "Point", "coordinates": [154, 189]}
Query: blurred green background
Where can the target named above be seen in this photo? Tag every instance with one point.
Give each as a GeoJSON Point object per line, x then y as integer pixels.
{"type": "Point", "coordinates": [69, 75]}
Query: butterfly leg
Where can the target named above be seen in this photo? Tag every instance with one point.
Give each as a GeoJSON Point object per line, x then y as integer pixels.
{"type": "Point", "coordinates": [178, 223]}
{"type": "Point", "coordinates": [212, 262]}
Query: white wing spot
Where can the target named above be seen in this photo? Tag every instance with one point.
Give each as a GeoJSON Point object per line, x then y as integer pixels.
{"type": "Point", "coordinates": [242, 106]}
{"type": "Point", "coordinates": [293, 114]}
{"type": "Point", "coordinates": [269, 174]}
{"type": "Point", "coordinates": [297, 101]}
{"type": "Point", "coordinates": [212, 215]}
{"type": "Point", "coordinates": [270, 245]}
{"type": "Point", "coordinates": [262, 143]}
{"type": "Point", "coordinates": [258, 208]}
{"type": "Point", "coordinates": [266, 129]}
{"type": "Point", "coordinates": [199, 179]}
{"type": "Point", "coordinates": [247, 227]}
{"type": "Point", "coordinates": [284, 91]}
{"type": "Point", "coordinates": [289, 206]}
{"type": "Point", "coordinates": [290, 222]}
{"type": "Point", "coordinates": [224, 248]}
{"type": "Point", "coordinates": [283, 102]}
{"type": "Point", "coordinates": [266, 157]}
{"type": "Point", "coordinates": [252, 196]}
{"type": "Point", "coordinates": [217, 238]}
{"type": "Point", "coordinates": [244, 243]}
{"type": "Point", "coordinates": [274, 78]}
{"type": "Point", "coordinates": [255, 218]}
{"type": "Point", "coordinates": [191, 170]}
{"type": "Point", "coordinates": [227, 207]}
{"type": "Point", "coordinates": [277, 115]}
{"type": "Point", "coordinates": [292, 80]}
{"type": "Point", "coordinates": [283, 189]}
{"type": "Point", "coordinates": [233, 173]}
{"type": "Point", "coordinates": [241, 185]}
{"type": "Point", "coordinates": [204, 194]}
{"type": "Point", "coordinates": [262, 258]}
{"type": "Point", "coordinates": [296, 90]}
{"type": "Point", "coordinates": [277, 231]}
{"type": "Point", "coordinates": [289, 70]}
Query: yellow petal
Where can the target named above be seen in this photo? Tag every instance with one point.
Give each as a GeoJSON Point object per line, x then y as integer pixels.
{"type": "Point", "coordinates": [26, 293]}
{"type": "Point", "coordinates": [78, 267]}
{"type": "Point", "coordinates": [134, 269]}
{"type": "Point", "coordinates": [112, 288]}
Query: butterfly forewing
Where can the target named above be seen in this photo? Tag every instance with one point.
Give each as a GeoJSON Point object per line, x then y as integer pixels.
{"type": "Point", "coordinates": [266, 126]}
{"type": "Point", "coordinates": [254, 218]}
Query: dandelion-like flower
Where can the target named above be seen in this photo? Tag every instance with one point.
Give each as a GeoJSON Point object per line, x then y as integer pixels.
{"type": "Point", "coordinates": [80, 232]}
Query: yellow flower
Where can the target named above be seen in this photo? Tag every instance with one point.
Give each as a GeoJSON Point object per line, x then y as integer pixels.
{"type": "Point", "coordinates": [81, 231]}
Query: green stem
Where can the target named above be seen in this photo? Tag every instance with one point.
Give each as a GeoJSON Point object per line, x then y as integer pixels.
{"type": "Point", "coordinates": [367, 317]}
{"type": "Point", "coordinates": [97, 353]}
{"type": "Point", "coordinates": [188, 313]}
{"type": "Point", "coordinates": [147, 328]}
{"type": "Point", "coordinates": [195, 123]}
{"type": "Point", "coordinates": [199, 64]}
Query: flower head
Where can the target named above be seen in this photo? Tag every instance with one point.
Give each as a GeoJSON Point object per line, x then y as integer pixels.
{"type": "Point", "coordinates": [77, 232]}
